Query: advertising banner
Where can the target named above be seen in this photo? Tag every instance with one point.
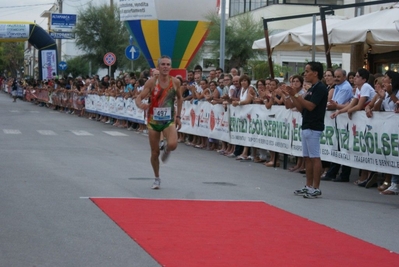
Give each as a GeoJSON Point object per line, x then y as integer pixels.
{"type": "Point", "coordinates": [14, 31]}
{"type": "Point", "coordinates": [120, 108]}
{"type": "Point", "coordinates": [49, 64]}
{"type": "Point", "coordinates": [360, 142]}
{"type": "Point", "coordinates": [137, 10]}
{"type": "Point", "coordinates": [205, 119]}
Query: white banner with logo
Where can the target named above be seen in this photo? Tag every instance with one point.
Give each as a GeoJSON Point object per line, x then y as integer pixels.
{"type": "Point", "coordinates": [137, 10]}
{"type": "Point", "coordinates": [364, 143]}
{"type": "Point", "coordinates": [119, 108]}
{"type": "Point", "coordinates": [204, 119]}
{"type": "Point", "coordinates": [14, 31]}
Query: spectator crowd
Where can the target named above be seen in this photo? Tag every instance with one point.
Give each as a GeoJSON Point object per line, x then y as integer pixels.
{"type": "Point", "coordinates": [348, 92]}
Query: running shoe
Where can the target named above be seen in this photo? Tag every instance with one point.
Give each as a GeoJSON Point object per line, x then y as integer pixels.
{"type": "Point", "coordinates": [156, 184]}
{"type": "Point", "coordinates": [161, 145]}
{"type": "Point", "coordinates": [165, 155]}
{"type": "Point", "coordinates": [313, 193]}
{"type": "Point", "coordinates": [302, 191]}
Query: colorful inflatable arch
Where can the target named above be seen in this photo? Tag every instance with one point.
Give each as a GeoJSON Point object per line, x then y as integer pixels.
{"type": "Point", "coordinates": [21, 31]}
{"type": "Point", "coordinates": [176, 28]}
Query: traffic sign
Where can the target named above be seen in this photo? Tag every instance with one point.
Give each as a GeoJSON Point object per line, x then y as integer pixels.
{"type": "Point", "coordinates": [132, 52]}
{"type": "Point", "coordinates": [109, 59]}
{"type": "Point", "coordinates": [62, 65]}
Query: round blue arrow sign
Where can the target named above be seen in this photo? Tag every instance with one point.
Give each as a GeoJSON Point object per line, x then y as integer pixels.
{"type": "Point", "coordinates": [62, 65]}
{"type": "Point", "coordinates": [132, 52]}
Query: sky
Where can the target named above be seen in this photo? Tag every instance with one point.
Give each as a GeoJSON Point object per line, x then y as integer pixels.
{"type": "Point", "coordinates": [30, 10]}
{"type": "Point", "coordinates": [24, 10]}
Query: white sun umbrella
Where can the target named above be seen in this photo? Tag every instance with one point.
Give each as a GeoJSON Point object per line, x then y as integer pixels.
{"type": "Point", "coordinates": [377, 30]}
{"type": "Point", "coordinates": [299, 38]}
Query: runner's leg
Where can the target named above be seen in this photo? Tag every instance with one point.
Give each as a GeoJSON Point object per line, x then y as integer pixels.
{"type": "Point", "coordinates": [153, 137]}
{"type": "Point", "coordinates": [171, 137]}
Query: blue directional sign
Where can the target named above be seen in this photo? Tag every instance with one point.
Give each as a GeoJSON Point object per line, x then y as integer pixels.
{"type": "Point", "coordinates": [132, 52]}
{"type": "Point", "coordinates": [63, 21]}
{"type": "Point", "coordinates": [62, 65]}
{"type": "Point", "coordinates": [62, 35]}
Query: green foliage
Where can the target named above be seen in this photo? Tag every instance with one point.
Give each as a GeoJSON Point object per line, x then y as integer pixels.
{"type": "Point", "coordinates": [280, 71]}
{"type": "Point", "coordinates": [99, 31]}
{"type": "Point", "coordinates": [241, 32]}
{"type": "Point", "coordinates": [78, 66]}
{"type": "Point", "coordinates": [259, 69]}
{"type": "Point", "coordinates": [197, 58]}
{"type": "Point", "coordinates": [11, 57]}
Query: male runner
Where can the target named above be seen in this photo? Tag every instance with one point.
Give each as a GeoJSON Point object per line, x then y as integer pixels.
{"type": "Point", "coordinates": [160, 117]}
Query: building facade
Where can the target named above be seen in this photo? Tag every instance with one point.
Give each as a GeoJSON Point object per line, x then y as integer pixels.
{"type": "Point", "coordinates": [294, 60]}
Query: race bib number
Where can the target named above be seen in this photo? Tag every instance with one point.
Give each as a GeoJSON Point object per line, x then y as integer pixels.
{"type": "Point", "coordinates": [162, 114]}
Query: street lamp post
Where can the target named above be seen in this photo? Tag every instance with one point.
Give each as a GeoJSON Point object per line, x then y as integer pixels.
{"type": "Point", "coordinates": [222, 34]}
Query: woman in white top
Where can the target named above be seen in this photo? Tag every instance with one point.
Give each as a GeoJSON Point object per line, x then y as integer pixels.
{"type": "Point", "coordinates": [297, 85]}
{"type": "Point", "coordinates": [247, 95]}
{"type": "Point", "coordinates": [390, 93]}
{"type": "Point", "coordinates": [387, 89]}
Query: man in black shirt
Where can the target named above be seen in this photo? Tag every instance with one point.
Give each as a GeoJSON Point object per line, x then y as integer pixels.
{"type": "Point", "coordinates": [313, 108]}
{"type": "Point", "coordinates": [14, 89]}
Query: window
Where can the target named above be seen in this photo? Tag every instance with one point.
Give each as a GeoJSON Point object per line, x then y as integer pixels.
{"type": "Point", "coordinates": [314, 2]}
{"type": "Point", "coordinates": [258, 4]}
{"type": "Point", "coordinates": [241, 6]}
{"type": "Point", "coordinates": [360, 9]}
{"type": "Point", "coordinates": [237, 7]}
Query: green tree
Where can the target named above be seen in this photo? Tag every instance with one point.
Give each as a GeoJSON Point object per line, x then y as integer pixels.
{"type": "Point", "coordinates": [241, 32]}
{"type": "Point", "coordinates": [98, 31]}
{"type": "Point", "coordinates": [259, 69]}
{"type": "Point", "coordinates": [11, 58]}
{"type": "Point", "coordinates": [77, 66]}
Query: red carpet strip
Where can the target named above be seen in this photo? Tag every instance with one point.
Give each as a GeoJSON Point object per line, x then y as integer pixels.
{"type": "Point", "coordinates": [236, 233]}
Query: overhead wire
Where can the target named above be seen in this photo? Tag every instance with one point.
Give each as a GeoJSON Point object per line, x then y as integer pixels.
{"type": "Point", "coordinates": [7, 14]}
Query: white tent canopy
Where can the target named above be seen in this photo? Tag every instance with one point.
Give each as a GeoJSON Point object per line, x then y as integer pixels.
{"type": "Point", "coordinates": [376, 29]}
{"type": "Point", "coordinates": [300, 38]}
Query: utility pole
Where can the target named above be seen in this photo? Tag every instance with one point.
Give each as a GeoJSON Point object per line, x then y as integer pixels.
{"type": "Point", "coordinates": [34, 61]}
{"type": "Point", "coordinates": [59, 43]}
{"type": "Point", "coordinates": [112, 4]}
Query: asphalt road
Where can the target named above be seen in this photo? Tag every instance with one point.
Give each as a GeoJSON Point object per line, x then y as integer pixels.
{"type": "Point", "coordinates": [51, 162]}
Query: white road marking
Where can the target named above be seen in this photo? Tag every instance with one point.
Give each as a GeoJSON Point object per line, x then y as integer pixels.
{"type": "Point", "coordinates": [11, 131]}
{"type": "Point", "coordinates": [46, 132]}
{"type": "Point", "coordinates": [81, 133]}
{"type": "Point", "coordinates": [115, 133]}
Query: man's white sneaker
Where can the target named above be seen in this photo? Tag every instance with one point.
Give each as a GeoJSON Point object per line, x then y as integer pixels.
{"type": "Point", "coordinates": [313, 193]}
{"type": "Point", "coordinates": [302, 191]}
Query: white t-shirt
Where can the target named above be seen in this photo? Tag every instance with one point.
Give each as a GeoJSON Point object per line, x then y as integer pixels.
{"type": "Point", "coordinates": [232, 91]}
{"type": "Point", "coordinates": [198, 88]}
{"type": "Point", "coordinates": [387, 103]}
{"type": "Point", "coordinates": [366, 91]}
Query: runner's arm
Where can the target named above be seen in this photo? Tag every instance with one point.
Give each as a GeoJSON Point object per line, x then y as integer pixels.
{"type": "Point", "coordinates": [179, 100]}
{"type": "Point", "coordinates": [143, 94]}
